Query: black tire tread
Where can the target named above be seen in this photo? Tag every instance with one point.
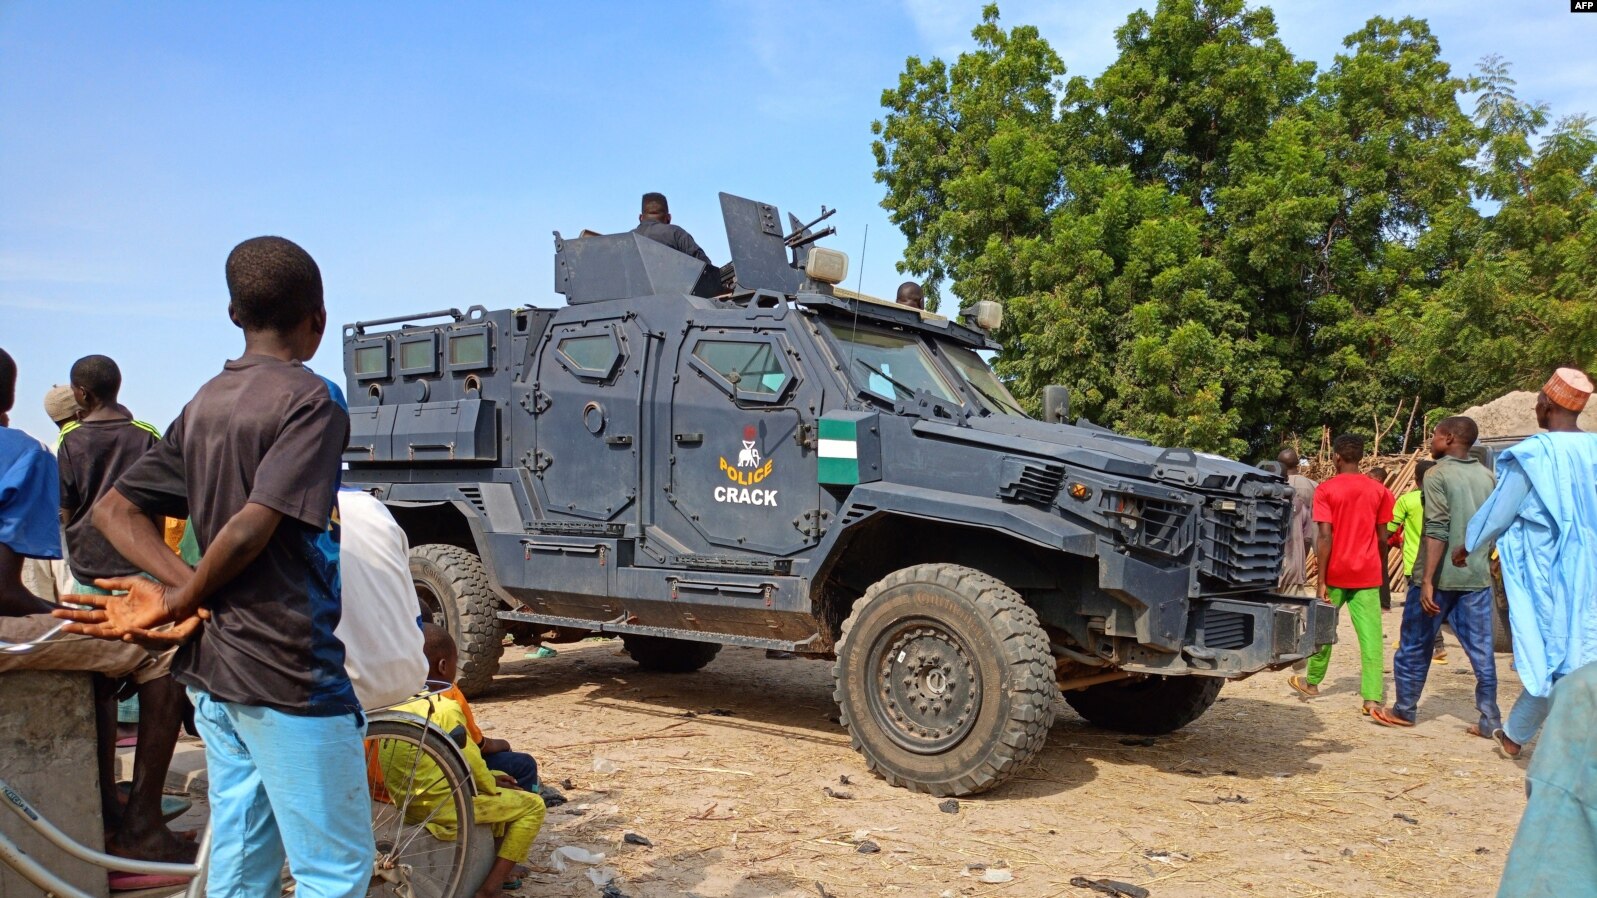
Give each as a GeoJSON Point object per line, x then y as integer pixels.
{"type": "Point", "coordinates": [1027, 654]}
{"type": "Point", "coordinates": [1156, 707]}
{"type": "Point", "coordinates": [480, 636]}
{"type": "Point", "coordinates": [665, 655]}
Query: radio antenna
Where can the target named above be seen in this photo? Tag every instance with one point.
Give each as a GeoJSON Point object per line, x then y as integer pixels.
{"type": "Point", "coordinates": [859, 284]}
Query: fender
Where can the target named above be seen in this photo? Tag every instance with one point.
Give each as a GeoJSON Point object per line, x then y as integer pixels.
{"type": "Point", "coordinates": [1033, 525]}
{"type": "Point", "coordinates": [423, 723]}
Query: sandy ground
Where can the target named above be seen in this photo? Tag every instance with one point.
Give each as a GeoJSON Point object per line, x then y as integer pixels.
{"type": "Point", "coordinates": [1265, 795]}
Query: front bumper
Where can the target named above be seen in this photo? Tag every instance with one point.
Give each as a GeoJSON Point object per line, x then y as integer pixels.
{"type": "Point", "coordinates": [1235, 637]}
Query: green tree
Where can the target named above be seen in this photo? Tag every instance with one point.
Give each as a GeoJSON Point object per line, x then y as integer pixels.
{"type": "Point", "coordinates": [1525, 299]}
{"type": "Point", "coordinates": [1209, 243]}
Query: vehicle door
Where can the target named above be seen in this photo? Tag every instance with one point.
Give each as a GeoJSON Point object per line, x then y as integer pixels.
{"type": "Point", "coordinates": [743, 477]}
{"type": "Point", "coordinates": [586, 401]}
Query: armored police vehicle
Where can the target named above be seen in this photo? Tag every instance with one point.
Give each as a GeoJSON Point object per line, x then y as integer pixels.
{"type": "Point", "coordinates": [689, 457]}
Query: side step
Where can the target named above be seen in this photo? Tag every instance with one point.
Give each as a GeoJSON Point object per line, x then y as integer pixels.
{"type": "Point", "coordinates": [618, 627]}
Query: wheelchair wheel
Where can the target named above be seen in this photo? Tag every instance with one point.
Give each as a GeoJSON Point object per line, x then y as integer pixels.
{"type": "Point", "coordinates": [428, 842]}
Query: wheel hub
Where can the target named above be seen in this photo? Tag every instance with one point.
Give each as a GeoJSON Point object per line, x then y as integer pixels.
{"type": "Point", "coordinates": [927, 692]}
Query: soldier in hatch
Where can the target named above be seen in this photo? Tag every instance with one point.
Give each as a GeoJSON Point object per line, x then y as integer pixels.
{"type": "Point", "coordinates": [910, 294]}
{"type": "Point", "coordinates": [654, 222]}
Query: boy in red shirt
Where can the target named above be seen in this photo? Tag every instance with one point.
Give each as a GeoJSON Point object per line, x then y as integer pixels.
{"type": "Point", "coordinates": [1351, 512]}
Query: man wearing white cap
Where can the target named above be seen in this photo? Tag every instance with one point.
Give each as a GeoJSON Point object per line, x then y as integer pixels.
{"type": "Point", "coordinates": [1543, 517]}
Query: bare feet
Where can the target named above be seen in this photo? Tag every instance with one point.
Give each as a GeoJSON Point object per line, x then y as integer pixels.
{"type": "Point", "coordinates": [153, 844]}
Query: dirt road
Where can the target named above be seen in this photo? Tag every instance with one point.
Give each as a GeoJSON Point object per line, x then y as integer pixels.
{"type": "Point", "coordinates": [1265, 795]}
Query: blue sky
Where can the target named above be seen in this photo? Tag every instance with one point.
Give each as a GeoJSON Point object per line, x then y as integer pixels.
{"type": "Point", "coordinates": [423, 153]}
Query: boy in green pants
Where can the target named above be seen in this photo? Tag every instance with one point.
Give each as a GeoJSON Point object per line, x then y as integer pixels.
{"type": "Point", "coordinates": [1351, 512]}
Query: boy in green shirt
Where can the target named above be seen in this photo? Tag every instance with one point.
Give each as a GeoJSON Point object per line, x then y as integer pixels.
{"type": "Point", "coordinates": [1408, 517]}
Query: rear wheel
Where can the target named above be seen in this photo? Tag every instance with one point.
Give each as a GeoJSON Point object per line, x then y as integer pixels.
{"type": "Point", "coordinates": [666, 655]}
{"type": "Point", "coordinates": [943, 680]}
{"type": "Point", "coordinates": [405, 760]}
{"type": "Point", "coordinates": [1151, 706]}
{"type": "Point", "coordinates": [453, 591]}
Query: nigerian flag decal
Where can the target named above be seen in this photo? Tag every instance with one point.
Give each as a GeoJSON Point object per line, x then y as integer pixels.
{"type": "Point", "coordinates": [838, 451]}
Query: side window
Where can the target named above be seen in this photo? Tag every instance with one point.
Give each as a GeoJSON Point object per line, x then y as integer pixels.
{"type": "Point", "coordinates": [752, 369]}
{"type": "Point", "coordinates": [590, 356]}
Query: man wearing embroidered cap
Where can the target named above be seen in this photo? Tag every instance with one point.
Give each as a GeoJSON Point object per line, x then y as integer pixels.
{"type": "Point", "coordinates": [1543, 517]}
{"type": "Point", "coordinates": [61, 405]}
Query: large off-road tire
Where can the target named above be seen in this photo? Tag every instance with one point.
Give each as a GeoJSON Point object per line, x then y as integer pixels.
{"type": "Point", "coordinates": [453, 591]}
{"type": "Point", "coordinates": [665, 655]}
{"type": "Point", "coordinates": [1148, 707]}
{"type": "Point", "coordinates": [943, 680]}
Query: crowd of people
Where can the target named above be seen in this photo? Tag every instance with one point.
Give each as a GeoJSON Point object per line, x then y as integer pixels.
{"type": "Point", "coordinates": [219, 573]}
{"type": "Point", "coordinates": [1533, 509]}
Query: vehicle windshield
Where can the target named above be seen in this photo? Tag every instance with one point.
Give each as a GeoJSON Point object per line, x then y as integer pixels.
{"type": "Point", "coordinates": [892, 366]}
{"type": "Point", "coordinates": [994, 395]}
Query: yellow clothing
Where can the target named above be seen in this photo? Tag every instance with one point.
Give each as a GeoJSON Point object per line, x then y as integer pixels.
{"type": "Point", "coordinates": [516, 815]}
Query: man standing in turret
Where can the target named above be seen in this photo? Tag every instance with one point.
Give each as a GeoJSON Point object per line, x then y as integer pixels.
{"type": "Point", "coordinates": [654, 222]}
{"type": "Point", "coordinates": [910, 294]}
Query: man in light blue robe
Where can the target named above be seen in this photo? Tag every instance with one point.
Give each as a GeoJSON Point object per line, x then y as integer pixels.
{"type": "Point", "coordinates": [1543, 516]}
{"type": "Point", "coordinates": [1555, 850]}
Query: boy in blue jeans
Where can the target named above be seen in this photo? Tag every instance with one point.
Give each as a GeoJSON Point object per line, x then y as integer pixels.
{"type": "Point", "coordinates": [254, 461]}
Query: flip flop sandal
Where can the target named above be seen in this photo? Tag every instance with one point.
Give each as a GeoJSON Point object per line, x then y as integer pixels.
{"type": "Point", "coordinates": [1501, 738]}
{"type": "Point", "coordinates": [1387, 719]}
{"type": "Point", "coordinates": [1301, 686]}
{"type": "Point", "coordinates": [510, 885]}
{"type": "Point", "coordinates": [133, 882]}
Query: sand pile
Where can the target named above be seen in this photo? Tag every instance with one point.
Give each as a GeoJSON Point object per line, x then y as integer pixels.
{"type": "Point", "coordinates": [1514, 415]}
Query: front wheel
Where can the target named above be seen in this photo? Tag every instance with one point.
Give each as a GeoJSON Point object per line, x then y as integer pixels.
{"type": "Point", "coordinates": [414, 779]}
{"type": "Point", "coordinates": [943, 680]}
{"type": "Point", "coordinates": [1152, 706]}
{"type": "Point", "coordinates": [453, 591]}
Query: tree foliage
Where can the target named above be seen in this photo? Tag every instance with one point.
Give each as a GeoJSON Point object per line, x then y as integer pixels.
{"type": "Point", "coordinates": [1214, 245]}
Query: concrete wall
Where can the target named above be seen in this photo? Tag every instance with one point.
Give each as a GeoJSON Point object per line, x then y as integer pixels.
{"type": "Point", "coordinates": [47, 754]}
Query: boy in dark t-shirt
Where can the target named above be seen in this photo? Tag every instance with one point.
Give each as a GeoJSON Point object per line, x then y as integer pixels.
{"type": "Point", "coordinates": [254, 460]}
{"type": "Point", "coordinates": [92, 452]}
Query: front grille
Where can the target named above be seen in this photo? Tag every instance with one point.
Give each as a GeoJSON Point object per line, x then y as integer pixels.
{"type": "Point", "coordinates": [1162, 529]}
{"type": "Point", "coordinates": [1241, 541]}
{"type": "Point", "coordinates": [1227, 630]}
{"type": "Point", "coordinates": [1025, 480]}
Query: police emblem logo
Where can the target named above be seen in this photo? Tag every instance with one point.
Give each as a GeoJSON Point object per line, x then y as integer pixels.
{"type": "Point", "coordinates": [750, 468]}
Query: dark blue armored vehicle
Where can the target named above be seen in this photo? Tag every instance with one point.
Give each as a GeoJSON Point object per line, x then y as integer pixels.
{"type": "Point", "coordinates": [689, 457]}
